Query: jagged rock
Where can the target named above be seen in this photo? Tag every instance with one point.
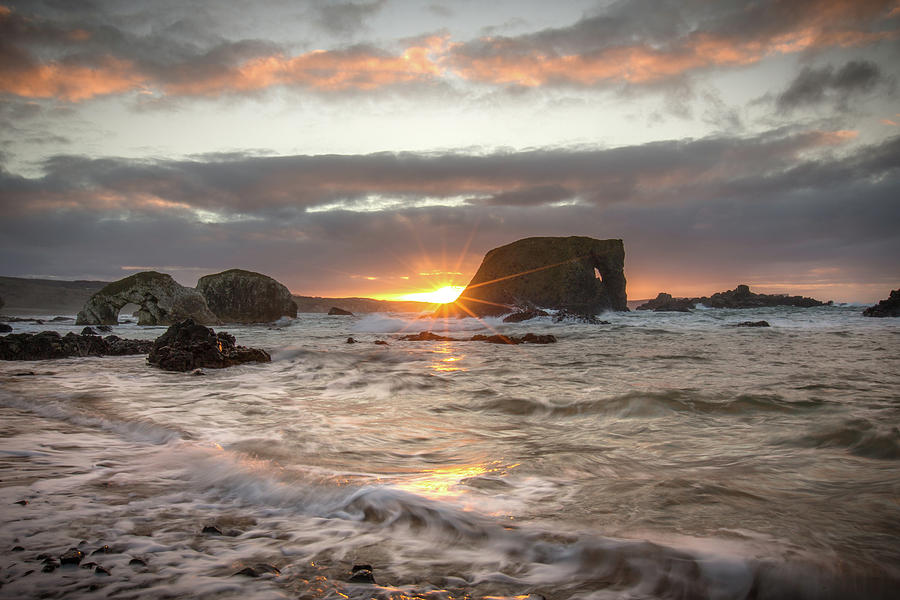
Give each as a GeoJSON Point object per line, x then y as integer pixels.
{"type": "Point", "coordinates": [334, 310]}
{"type": "Point", "coordinates": [2, 303]}
{"type": "Point", "coordinates": [752, 324]}
{"type": "Point", "coordinates": [162, 302]}
{"type": "Point", "coordinates": [666, 303]}
{"type": "Point", "coordinates": [580, 274]}
{"type": "Point", "coordinates": [890, 307]}
{"type": "Point", "coordinates": [742, 297]}
{"type": "Point", "coordinates": [187, 346]}
{"type": "Point", "coordinates": [49, 344]}
{"type": "Point", "coordinates": [564, 315]}
{"type": "Point", "coordinates": [88, 331]}
{"type": "Point", "coordinates": [238, 296]}
{"type": "Point", "coordinates": [381, 343]}
{"type": "Point", "coordinates": [350, 340]}
{"type": "Point", "coordinates": [4, 328]}
{"type": "Point", "coordinates": [525, 315]}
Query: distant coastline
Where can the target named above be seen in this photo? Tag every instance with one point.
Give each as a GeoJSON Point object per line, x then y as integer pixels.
{"type": "Point", "coordinates": [26, 296]}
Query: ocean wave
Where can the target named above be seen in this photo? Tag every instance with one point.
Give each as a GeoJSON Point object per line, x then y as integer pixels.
{"type": "Point", "coordinates": [860, 437]}
{"type": "Point", "coordinates": [639, 404]}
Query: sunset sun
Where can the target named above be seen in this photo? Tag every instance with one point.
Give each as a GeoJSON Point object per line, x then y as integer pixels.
{"type": "Point", "coordinates": [443, 295]}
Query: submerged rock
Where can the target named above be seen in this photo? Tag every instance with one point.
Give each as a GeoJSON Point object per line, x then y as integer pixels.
{"type": "Point", "coordinates": [528, 338]}
{"type": "Point", "coordinates": [525, 315]}
{"type": "Point", "coordinates": [49, 344]}
{"type": "Point", "coordinates": [88, 331]}
{"type": "Point", "coordinates": [334, 310]}
{"type": "Point", "coordinates": [580, 274]}
{"type": "Point", "coordinates": [238, 296]}
{"type": "Point", "coordinates": [889, 307]}
{"type": "Point", "coordinates": [72, 556]}
{"type": "Point", "coordinates": [565, 315]}
{"type": "Point", "coordinates": [187, 346]}
{"type": "Point", "coordinates": [162, 302]}
{"type": "Point", "coordinates": [666, 303]}
{"type": "Point", "coordinates": [259, 569]}
{"type": "Point", "coordinates": [361, 574]}
{"type": "Point", "coordinates": [752, 324]}
{"type": "Point", "coordinates": [4, 328]}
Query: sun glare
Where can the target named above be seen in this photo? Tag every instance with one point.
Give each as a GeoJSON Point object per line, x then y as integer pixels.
{"type": "Point", "coordinates": [446, 294]}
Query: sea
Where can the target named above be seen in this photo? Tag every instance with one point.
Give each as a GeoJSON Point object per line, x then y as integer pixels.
{"type": "Point", "coordinates": [661, 455]}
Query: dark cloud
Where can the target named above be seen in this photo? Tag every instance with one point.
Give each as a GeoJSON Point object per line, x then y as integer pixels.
{"type": "Point", "coordinates": [346, 18]}
{"type": "Point", "coordinates": [816, 86]}
{"type": "Point", "coordinates": [696, 208]}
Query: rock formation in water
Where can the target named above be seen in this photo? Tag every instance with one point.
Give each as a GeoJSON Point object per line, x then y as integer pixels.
{"type": "Point", "coordinates": [162, 301]}
{"type": "Point", "coordinates": [528, 338]}
{"type": "Point", "coordinates": [739, 297]}
{"type": "Point", "coordinates": [238, 296]}
{"type": "Point", "coordinates": [186, 346]}
{"type": "Point", "coordinates": [579, 274]}
{"type": "Point", "coordinates": [49, 344]}
{"type": "Point", "coordinates": [666, 303]}
{"type": "Point", "coordinates": [335, 311]}
{"type": "Point", "coordinates": [890, 307]}
{"type": "Point", "coordinates": [742, 297]}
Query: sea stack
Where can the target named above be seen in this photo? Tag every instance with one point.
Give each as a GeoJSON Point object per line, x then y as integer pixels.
{"type": "Point", "coordinates": [581, 275]}
{"type": "Point", "coordinates": [162, 300]}
{"type": "Point", "coordinates": [238, 296]}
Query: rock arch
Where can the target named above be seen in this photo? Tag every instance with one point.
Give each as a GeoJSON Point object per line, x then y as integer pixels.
{"type": "Point", "coordinates": [162, 300]}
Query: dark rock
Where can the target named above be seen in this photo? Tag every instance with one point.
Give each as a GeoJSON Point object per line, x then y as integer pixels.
{"type": "Point", "coordinates": [98, 570]}
{"type": "Point", "coordinates": [4, 328]}
{"type": "Point", "coordinates": [890, 307]}
{"type": "Point", "coordinates": [525, 315]}
{"type": "Point", "coordinates": [742, 297]}
{"type": "Point", "coordinates": [334, 310]}
{"type": "Point", "coordinates": [528, 338]}
{"type": "Point", "coordinates": [24, 374]}
{"type": "Point", "coordinates": [361, 574]}
{"type": "Point", "coordinates": [49, 344]}
{"type": "Point", "coordinates": [162, 302]}
{"type": "Point", "coordinates": [72, 556]}
{"type": "Point", "coordinates": [104, 328]}
{"type": "Point", "coordinates": [21, 502]}
{"type": "Point", "coordinates": [198, 373]}
{"type": "Point", "coordinates": [88, 331]}
{"type": "Point", "coordinates": [60, 319]}
{"type": "Point", "coordinates": [580, 274]}
{"type": "Point", "coordinates": [104, 549]}
{"type": "Point", "coordinates": [18, 549]}
{"type": "Point", "coordinates": [752, 324]}
{"type": "Point", "coordinates": [427, 336]}
{"type": "Point", "coordinates": [258, 569]}
{"type": "Point", "coordinates": [381, 342]}
{"type": "Point", "coordinates": [350, 340]}
{"type": "Point", "coordinates": [565, 315]}
{"type": "Point", "coordinates": [187, 346]}
{"type": "Point", "coordinates": [137, 562]}
{"type": "Point", "coordinates": [666, 303]}
{"type": "Point", "coordinates": [238, 296]}
{"type": "Point", "coordinates": [88, 565]}
{"type": "Point", "coordinates": [211, 530]}
{"type": "Point", "coordinates": [50, 566]}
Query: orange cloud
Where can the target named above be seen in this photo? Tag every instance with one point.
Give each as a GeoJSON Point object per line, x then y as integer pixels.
{"type": "Point", "coordinates": [72, 83]}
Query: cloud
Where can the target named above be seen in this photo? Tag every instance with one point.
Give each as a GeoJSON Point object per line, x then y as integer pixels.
{"type": "Point", "coordinates": [705, 209]}
{"type": "Point", "coordinates": [345, 18]}
{"type": "Point", "coordinates": [814, 86]}
{"type": "Point", "coordinates": [55, 53]}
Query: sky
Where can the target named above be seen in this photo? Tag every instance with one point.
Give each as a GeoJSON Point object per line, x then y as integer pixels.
{"type": "Point", "coordinates": [381, 147]}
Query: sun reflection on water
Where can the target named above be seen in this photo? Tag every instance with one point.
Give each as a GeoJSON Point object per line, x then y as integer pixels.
{"type": "Point", "coordinates": [443, 483]}
{"type": "Point", "coordinates": [451, 356]}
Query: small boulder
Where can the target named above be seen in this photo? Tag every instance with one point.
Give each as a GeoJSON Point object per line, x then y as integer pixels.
{"type": "Point", "coordinates": [72, 556]}
{"type": "Point", "coordinates": [4, 328]}
{"type": "Point", "coordinates": [381, 342]}
{"type": "Point", "coordinates": [88, 331]}
{"type": "Point", "coordinates": [427, 336]}
{"type": "Point", "coordinates": [666, 303]}
{"type": "Point", "coordinates": [565, 315]}
{"type": "Point", "coordinates": [259, 569]}
{"type": "Point", "coordinates": [889, 307]}
{"type": "Point", "coordinates": [350, 340]}
{"type": "Point", "coordinates": [334, 310]}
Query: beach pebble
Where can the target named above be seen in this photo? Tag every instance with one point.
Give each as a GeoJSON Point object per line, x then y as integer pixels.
{"type": "Point", "coordinates": [99, 570]}
{"type": "Point", "coordinates": [18, 549]}
{"type": "Point", "coordinates": [381, 342]}
{"type": "Point", "coordinates": [212, 530]}
{"type": "Point", "coordinates": [21, 502]}
{"type": "Point", "coordinates": [350, 340]}
{"type": "Point", "coordinates": [137, 562]}
{"type": "Point", "coordinates": [104, 549]}
{"type": "Point", "coordinates": [72, 556]}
